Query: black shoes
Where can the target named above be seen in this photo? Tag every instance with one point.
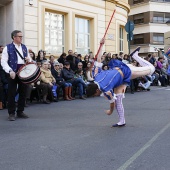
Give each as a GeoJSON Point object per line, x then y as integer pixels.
{"type": "Point", "coordinates": [137, 49]}
{"type": "Point", "coordinates": [22, 115]}
{"type": "Point", "coordinates": [11, 117]}
{"type": "Point", "coordinates": [19, 115]}
{"type": "Point", "coordinates": [116, 125]}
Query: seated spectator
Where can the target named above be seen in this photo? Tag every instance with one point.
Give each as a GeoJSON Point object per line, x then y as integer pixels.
{"type": "Point", "coordinates": [80, 66]}
{"type": "Point", "coordinates": [56, 72]}
{"type": "Point", "coordinates": [46, 83]}
{"type": "Point", "coordinates": [61, 66]}
{"type": "Point", "coordinates": [41, 56]}
{"type": "Point", "coordinates": [88, 73]}
{"type": "Point", "coordinates": [49, 66]}
{"type": "Point", "coordinates": [69, 76]}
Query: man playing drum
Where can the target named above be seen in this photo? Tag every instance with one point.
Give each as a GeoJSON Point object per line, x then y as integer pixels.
{"type": "Point", "coordinates": [14, 55]}
{"type": "Point", "coordinates": [113, 82]}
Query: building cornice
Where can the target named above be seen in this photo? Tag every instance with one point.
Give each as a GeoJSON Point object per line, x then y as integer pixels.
{"type": "Point", "coordinates": [121, 4]}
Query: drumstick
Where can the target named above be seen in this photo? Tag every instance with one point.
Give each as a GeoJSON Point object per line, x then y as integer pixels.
{"type": "Point", "coordinates": [105, 33]}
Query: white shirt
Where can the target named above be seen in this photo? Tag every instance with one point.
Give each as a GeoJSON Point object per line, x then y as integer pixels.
{"type": "Point", "coordinates": [5, 57]}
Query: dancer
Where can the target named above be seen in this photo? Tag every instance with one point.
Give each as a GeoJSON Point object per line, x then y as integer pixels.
{"type": "Point", "coordinates": [113, 82]}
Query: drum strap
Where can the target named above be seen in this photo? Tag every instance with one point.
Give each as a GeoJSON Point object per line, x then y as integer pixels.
{"type": "Point", "coordinates": [19, 54]}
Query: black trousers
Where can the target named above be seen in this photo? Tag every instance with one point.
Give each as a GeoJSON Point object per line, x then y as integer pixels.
{"type": "Point", "coordinates": [1, 91]}
{"type": "Point", "coordinates": [15, 85]}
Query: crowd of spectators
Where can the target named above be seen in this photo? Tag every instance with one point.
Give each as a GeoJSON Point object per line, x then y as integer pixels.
{"type": "Point", "coordinates": [67, 77]}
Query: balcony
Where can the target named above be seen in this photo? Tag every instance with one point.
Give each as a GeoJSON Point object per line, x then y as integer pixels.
{"type": "Point", "coordinates": [4, 2]}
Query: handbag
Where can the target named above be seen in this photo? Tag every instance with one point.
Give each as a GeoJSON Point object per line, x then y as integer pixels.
{"type": "Point", "coordinates": [54, 89]}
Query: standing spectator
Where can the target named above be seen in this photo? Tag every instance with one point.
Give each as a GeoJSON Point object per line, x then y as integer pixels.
{"type": "Point", "coordinates": [91, 57]}
{"type": "Point", "coordinates": [52, 59]}
{"type": "Point", "coordinates": [13, 57]}
{"type": "Point", "coordinates": [152, 58]}
{"type": "Point", "coordinates": [86, 60]}
{"type": "Point", "coordinates": [120, 57]}
{"type": "Point", "coordinates": [71, 59]}
{"type": "Point", "coordinates": [62, 58]}
{"type": "Point", "coordinates": [32, 55]}
{"type": "Point", "coordinates": [126, 59]}
{"type": "Point", "coordinates": [114, 56]}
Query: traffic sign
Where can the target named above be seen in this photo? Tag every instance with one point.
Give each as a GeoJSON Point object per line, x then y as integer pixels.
{"type": "Point", "coordinates": [129, 27]}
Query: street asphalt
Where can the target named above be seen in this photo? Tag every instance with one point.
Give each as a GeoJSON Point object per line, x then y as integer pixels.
{"type": "Point", "coordinates": [77, 135]}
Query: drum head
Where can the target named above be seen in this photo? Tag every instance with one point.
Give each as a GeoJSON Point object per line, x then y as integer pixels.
{"type": "Point", "coordinates": [27, 71]}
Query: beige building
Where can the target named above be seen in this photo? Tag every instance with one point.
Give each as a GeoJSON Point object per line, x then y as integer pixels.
{"type": "Point", "coordinates": [60, 25]}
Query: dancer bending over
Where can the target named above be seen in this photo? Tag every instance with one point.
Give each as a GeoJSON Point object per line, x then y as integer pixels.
{"type": "Point", "coordinates": [113, 82]}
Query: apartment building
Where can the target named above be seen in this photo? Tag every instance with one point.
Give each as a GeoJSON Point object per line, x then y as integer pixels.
{"type": "Point", "coordinates": [149, 17]}
{"type": "Point", "coordinates": [59, 25]}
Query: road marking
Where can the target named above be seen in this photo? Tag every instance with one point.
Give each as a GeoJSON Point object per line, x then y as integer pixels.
{"type": "Point", "coordinates": [167, 89]}
{"type": "Point", "coordinates": [146, 146]}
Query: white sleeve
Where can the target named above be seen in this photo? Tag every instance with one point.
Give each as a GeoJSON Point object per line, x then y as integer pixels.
{"type": "Point", "coordinates": [4, 60]}
{"type": "Point", "coordinates": [29, 55]}
{"type": "Point", "coordinates": [97, 64]}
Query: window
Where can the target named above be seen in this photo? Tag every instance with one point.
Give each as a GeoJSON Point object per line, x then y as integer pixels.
{"type": "Point", "coordinates": [139, 39]}
{"type": "Point", "coordinates": [158, 38]}
{"type": "Point", "coordinates": [158, 18]}
{"type": "Point", "coordinates": [121, 39]}
{"type": "Point", "coordinates": [82, 35]}
{"type": "Point", "coordinates": [54, 33]}
{"type": "Point", "coordinates": [138, 19]}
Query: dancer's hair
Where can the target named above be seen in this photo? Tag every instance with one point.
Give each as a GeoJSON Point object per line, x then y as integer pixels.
{"type": "Point", "coordinates": [91, 89]}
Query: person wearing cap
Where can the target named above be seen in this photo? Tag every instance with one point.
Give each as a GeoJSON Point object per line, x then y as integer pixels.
{"type": "Point", "coordinates": [69, 76]}
{"type": "Point", "coordinates": [113, 82]}
{"type": "Point", "coordinates": [14, 55]}
{"type": "Point", "coordinates": [66, 86]}
{"type": "Point", "coordinates": [47, 82]}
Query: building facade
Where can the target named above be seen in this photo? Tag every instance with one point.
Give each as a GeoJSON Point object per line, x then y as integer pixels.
{"type": "Point", "coordinates": [57, 26]}
{"type": "Point", "coordinates": [149, 17]}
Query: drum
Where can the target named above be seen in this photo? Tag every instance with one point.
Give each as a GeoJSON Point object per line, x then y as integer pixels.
{"type": "Point", "coordinates": [29, 73]}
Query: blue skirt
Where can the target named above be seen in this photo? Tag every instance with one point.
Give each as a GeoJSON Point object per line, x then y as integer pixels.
{"type": "Point", "coordinates": [124, 68]}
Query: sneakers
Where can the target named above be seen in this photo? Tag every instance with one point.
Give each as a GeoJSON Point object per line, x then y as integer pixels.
{"type": "Point", "coordinates": [11, 117]}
